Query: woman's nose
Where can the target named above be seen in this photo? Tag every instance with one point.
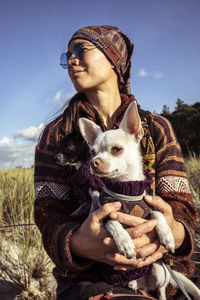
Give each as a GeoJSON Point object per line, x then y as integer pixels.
{"type": "Point", "coordinates": [73, 60]}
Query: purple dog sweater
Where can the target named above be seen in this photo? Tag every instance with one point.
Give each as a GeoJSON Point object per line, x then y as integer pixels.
{"type": "Point", "coordinates": [84, 179]}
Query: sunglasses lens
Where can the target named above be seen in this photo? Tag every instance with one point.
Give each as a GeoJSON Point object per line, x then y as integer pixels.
{"type": "Point", "coordinates": [63, 61]}
{"type": "Point", "coordinates": [78, 50]}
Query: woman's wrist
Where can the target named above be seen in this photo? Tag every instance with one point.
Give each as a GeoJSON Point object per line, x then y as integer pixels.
{"type": "Point", "coordinates": [75, 244]}
{"type": "Point", "coordinates": [178, 231]}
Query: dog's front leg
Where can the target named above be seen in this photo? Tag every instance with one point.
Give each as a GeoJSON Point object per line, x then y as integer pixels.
{"type": "Point", "coordinates": [95, 200]}
{"type": "Point", "coordinates": [163, 230]}
{"type": "Point", "coordinates": [121, 237]}
{"type": "Point", "coordinates": [83, 209]}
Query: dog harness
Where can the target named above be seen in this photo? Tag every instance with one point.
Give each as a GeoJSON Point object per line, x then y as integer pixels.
{"type": "Point", "coordinates": [129, 193]}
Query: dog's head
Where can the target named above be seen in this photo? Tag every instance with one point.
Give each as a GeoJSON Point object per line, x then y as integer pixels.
{"type": "Point", "coordinates": [116, 153]}
{"type": "Point", "coordinates": [73, 149]}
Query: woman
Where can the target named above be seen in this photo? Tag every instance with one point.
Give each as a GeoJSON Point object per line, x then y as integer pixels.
{"type": "Point", "coordinates": [99, 64]}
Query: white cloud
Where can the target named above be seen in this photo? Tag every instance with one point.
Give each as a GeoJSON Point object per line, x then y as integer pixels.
{"type": "Point", "coordinates": [58, 96]}
{"type": "Point", "coordinates": [61, 97]}
{"type": "Point", "coordinates": [4, 140]}
{"type": "Point", "coordinates": [142, 73]}
{"type": "Point", "coordinates": [31, 133]}
{"type": "Point", "coordinates": [16, 153]}
{"type": "Point", "coordinates": [19, 150]}
{"type": "Point", "coordinates": [153, 74]}
{"type": "Point", "coordinates": [158, 74]}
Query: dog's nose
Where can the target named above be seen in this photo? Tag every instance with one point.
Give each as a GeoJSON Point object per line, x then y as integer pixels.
{"type": "Point", "coordinates": [58, 157]}
{"type": "Point", "coordinates": [95, 163]}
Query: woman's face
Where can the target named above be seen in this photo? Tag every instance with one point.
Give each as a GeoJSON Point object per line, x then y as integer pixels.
{"type": "Point", "coordinates": [93, 71]}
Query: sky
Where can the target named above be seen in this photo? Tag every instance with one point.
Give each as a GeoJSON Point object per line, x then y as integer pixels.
{"type": "Point", "coordinates": [34, 33]}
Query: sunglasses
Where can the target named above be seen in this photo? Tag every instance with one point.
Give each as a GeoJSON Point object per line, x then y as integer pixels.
{"type": "Point", "coordinates": [77, 51]}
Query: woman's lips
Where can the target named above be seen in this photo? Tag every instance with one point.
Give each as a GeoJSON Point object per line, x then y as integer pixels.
{"type": "Point", "coordinates": [76, 73]}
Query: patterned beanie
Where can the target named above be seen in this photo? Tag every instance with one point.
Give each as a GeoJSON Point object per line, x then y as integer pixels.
{"type": "Point", "coordinates": [116, 46]}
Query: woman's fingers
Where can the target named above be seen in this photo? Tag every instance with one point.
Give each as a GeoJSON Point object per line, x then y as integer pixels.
{"type": "Point", "coordinates": [159, 204]}
{"type": "Point", "coordinates": [142, 229]}
{"type": "Point", "coordinates": [123, 263]}
{"type": "Point", "coordinates": [138, 226]}
{"type": "Point", "coordinates": [94, 221]}
{"type": "Point", "coordinates": [145, 247]}
{"type": "Point", "coordinates": [105, 210]}
{"type": "Point", "coordinates": [148, 249]}
{"type": "Point", "coordinates": [140, 262]}
{"type": "Point", "coordinates": [126, 219]}
{"type": "Point", "coordinates": [109, 242]}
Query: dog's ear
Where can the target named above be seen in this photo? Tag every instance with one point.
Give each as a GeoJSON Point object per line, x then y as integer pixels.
{"type": "Point", "coordinates": [89, 130]}
{"type": "Point", "coordinates": [131, 121]}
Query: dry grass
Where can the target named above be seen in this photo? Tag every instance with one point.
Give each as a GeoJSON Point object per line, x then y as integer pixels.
{"type": "Point", "coordinates": [23, 262]}
{"type": "Point", "coordinates": [192, 165]}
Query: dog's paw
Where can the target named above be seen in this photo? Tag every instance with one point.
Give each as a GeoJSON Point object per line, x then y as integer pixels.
{"type": "Point", "coordinates": [83, 209]}
{"type": "Point", "coordinates": [164, 232]}
{"type": "Point", "coordinates": [133, 285]}
{"type": "Point", "coordinates": [166, 238]}
{"type": "Point", "coordinates": [122, 239]}
{"type": "Point", "coordinates": [93, 193]}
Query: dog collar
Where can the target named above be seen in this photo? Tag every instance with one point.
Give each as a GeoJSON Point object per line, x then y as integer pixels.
{"type": "Point", "coordinates": [124, 197]}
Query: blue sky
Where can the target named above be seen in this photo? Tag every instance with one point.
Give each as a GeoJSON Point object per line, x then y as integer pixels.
{"type": "Point", "coordinates": [34, 33]}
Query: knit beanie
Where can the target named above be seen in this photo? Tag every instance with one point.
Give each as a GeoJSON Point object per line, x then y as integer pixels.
{"type": "Point", "coordinates": [116, 46]}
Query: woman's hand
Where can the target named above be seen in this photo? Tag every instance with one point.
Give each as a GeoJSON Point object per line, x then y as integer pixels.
{"type": "Point", "coordinates": [90, 239]}
{"type": "Point", "coordinates": [143, 234]}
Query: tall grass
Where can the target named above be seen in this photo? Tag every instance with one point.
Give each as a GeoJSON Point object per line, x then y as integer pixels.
{"type": "Point", "coordinates": [24, 264]}
{"type": "Point", "coordinates": [23, 261]}
{"type": "Point", "coordinates": [192, 165]}
{"type": "Point", "coordinates": [16, 195]}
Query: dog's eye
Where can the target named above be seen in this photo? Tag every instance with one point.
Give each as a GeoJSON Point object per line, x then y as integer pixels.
{"type": "Point", "coordinates": [92, 152]}
{"type": "Point", "coordinates": [116, 150]}
{"type": "Point", "coordinates": [70, 148]}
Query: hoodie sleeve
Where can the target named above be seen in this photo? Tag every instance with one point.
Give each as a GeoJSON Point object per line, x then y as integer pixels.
{"type": "Point", "coordinates": [55, 200]}
{"type": "Point", "coordinates": [172, 184]}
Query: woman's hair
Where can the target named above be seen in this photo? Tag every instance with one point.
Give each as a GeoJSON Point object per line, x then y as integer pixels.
{"type": "Point", "coordinates": [71, 113]}
{"type": "Point", "coordinates": [63, 120]}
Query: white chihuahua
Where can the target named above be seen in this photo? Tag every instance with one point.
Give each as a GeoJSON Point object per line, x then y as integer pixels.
{"type": "Point", "coordinates": [116, 155]}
